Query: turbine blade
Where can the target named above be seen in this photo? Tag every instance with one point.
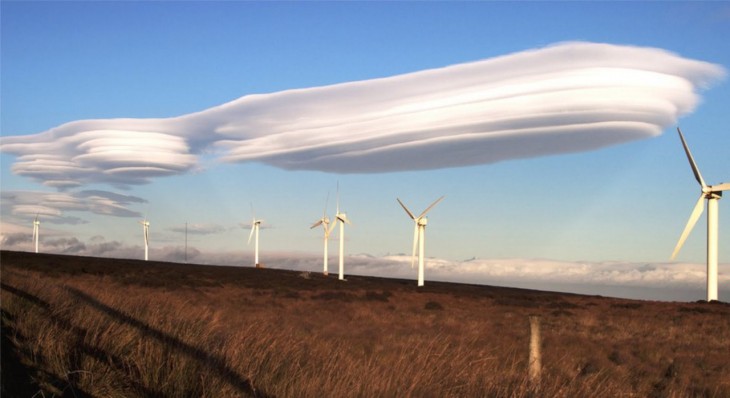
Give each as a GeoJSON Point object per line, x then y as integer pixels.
{"type": "Point", "coordinates": [721, 187]}
{"type": "Point", "coordinates": [338, 198]}
{"type": "Point", "coordinates": [696, 213]}
{"type": "Point", "coordinates": [331, 228]}
{"type": "Point", "coordinates": [253, 226]}
{"type": "Point", "coordinates": [344, 218]}
{"type": "Point", "coordinates": [326, 202]}
{"type": "Point", "coordinates": [432, 205]}
{"type": "Point", "coordinates": [318, 223]}
{"type": "Point", "coordinates": [415, 244]}
{"type": "Point", "coordinates": [692, 163]}
{"type": "Point", "coordinates": [406, 209]}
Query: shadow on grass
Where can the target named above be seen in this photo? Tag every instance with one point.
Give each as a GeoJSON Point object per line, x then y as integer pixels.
{"type": "Point", "coordinates": [24, 379]}
{"type": "Point", "coordinates": [242, 384]}
{"type": "Point", "coordinates": [22, 384]}
{"type": "Point", "coordinates": [68, 383]}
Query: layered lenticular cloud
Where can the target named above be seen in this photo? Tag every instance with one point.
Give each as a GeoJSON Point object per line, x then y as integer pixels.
{"type": "Point", "coordinates": [563, 98]}
{"type": "Point", "coordinates": [53, 207]}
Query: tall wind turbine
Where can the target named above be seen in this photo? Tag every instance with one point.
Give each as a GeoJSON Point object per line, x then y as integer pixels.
{"type": "Point", "coordinates": [324, 222]}
{"type": "Point", "coordinates": [342, 218]}
{"type": "Point", "coordinates": [146, 231]}
{"type": "Point", "coordinates": [419, 232]}
{"type": "Point", "coordinates": [711, 193]}
{"type": "Point", "coordinates": [36, 232]}
{"type": "Point", "coordinates": [255, 225]}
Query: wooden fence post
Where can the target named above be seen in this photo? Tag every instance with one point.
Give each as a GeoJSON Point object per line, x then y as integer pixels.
{"type": "Point", "coordinates": [535, 354]}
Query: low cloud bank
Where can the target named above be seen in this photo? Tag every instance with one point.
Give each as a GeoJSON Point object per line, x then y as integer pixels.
{"type": "Point", "coordinates": [563, 98]}
{"type": "Point", "coordinates": [655, 281]}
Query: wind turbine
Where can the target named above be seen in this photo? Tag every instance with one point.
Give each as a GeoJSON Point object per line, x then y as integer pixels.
{"type": "Point", "coordinates": [36, 231]}
{"type": "Point", "coordinates": [712, 193]}
{"type": "Point", "coordinates": [419, 232]}
{"type": "Point", "coordinates": [255, 225]}
{"type": "Point", "coordinates": [146, 230]}
{"type": "Point", "coordinates": [324, 222]}
{"type": "Point", "coordinates": [342, 218]}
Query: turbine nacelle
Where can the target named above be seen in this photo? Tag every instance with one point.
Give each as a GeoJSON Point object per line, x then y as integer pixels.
{"type": "Point", "coordinates": [715, 191]}
{"type": "Point", "coordinates": [343, 218]}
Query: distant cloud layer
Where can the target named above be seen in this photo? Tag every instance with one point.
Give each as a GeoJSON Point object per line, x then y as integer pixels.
{"type": "Point", "coordinates": [563, 98]}
{"type": "Point", "coordinates": [53, 207]}
{"type": "Point", "coordinates": [663, 281]}
{"type": "Point", "coordinates": [198, 228]}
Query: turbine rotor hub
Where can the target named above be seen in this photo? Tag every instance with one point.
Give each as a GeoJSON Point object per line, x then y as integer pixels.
{"type": "Point", "coordinates": [713, 194]}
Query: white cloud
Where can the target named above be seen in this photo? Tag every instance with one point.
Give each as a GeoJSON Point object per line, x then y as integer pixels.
{"type": "Point", "coordinates": [199, 228]}
{"type": "Point", "coordinates": [52, 207]}
{"type": "Point", "coordinates": [603, 273]}
{"type": "Point", "coordinates": [563, 98]}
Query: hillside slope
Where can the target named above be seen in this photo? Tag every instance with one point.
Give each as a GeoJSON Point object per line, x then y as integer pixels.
{"type": "Point", "coordinates": [82, 326]}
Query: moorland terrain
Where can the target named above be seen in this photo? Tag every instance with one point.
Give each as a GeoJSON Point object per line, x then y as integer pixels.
{"type": "Point", "coordinates": [81, 326]}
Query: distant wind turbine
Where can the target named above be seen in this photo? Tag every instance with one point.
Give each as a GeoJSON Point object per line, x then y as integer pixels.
{"type": "Point", "coordinates": [711, 193]}
{"type": "Point", "coordinates": [36, 232]}
{"type": "Point", "coordinates": [324, 222]}
{"type": "Point", "coordinates": [342, 218]}
{"type": "Point", "coordinates": [255, 225]}
{"type": "Point", "coordinates": [419, 232]}
{"type": "Point", "coordinates": [146, 231]}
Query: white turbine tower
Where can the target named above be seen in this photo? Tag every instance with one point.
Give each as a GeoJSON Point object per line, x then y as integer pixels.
{"type": "Point", "coordinates": [146, 231]}
{"type": "Point", "coordinates": [419, 232]}
{"type": "Point", "coordinates": [324, 222]}
{"type": "Point", "coordinates": [711, 193]}
{"type": "Point", "coordinates": [342, 218]}
{"type": "Point", "coordinates": [255, 225]}
{"type": "Point", "coordinates": [36, 232]}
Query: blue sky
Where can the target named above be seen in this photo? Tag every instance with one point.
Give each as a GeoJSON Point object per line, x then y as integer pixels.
{"type": "Point", "coordinates": [68, 61]}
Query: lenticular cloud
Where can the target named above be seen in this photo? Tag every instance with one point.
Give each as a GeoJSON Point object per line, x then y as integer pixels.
{"type": "Point", "coordinates": [563, 98]}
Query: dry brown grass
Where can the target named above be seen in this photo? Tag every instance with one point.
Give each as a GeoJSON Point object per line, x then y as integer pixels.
{"type": "Point", "coordinates": [95, 327]}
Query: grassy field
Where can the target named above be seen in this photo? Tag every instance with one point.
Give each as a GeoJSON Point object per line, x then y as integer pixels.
{"type": "Point", "coordinates": [77, 326]}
